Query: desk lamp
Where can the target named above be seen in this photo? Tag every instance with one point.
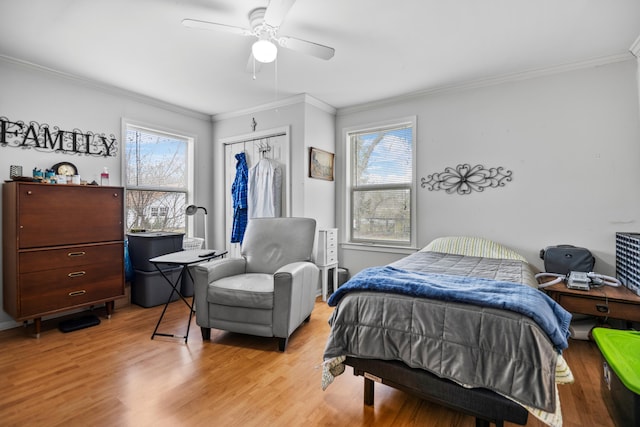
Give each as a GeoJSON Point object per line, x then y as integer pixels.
{"type": "Point", "coordinates": [192, 210]}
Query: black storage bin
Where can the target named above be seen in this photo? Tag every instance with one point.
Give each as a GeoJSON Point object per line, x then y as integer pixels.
{"type": "Point", "coordinates": [343, 276]}
{"type": "Point", "coordinates": [143, 246]}
{"type": "Point", "coordinates": [150, 288]}
{"type": "Point", "coordinates": [620, 384]}
{"type": "Point", "coordinates": [623, 405]}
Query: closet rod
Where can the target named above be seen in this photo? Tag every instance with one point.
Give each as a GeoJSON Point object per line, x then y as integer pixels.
{"type": "Point", "coordinates": [258, 139]}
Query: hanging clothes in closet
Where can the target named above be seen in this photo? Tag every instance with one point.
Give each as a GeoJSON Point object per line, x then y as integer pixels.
{"type": "Point", "coordinates": [239, 192]}
{"type": "Point", "coordinates": [265, 189]}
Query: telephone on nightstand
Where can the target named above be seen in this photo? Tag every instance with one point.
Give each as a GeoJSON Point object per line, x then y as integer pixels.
{"type": "Point", "coordinates": [579, 280]}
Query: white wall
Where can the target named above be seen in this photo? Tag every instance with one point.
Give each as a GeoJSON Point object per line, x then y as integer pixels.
{"type": "Point", "coordinates": [319, 195]}
{"type": "Point", "coordinates": [311, 123]}
{"type": "Point", "coordinates": [572, 141]}
{"type": "Point", "coordinates": [32, 94]}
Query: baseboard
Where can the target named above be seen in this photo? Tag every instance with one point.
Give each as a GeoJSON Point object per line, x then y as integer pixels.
{"type": "Point", "coordinates": [9, 324]}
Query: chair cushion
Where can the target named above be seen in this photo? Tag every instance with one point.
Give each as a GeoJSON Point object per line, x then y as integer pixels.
{"type": "Point", "coordinates": [271, 243]}
{"type": "Point", "coordinates": [252, 290]}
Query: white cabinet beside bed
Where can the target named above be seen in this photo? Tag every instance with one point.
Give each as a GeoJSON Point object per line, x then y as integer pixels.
{"type": "Point", "coordinates": [327, 258]}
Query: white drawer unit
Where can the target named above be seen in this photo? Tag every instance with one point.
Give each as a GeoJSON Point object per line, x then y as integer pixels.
{"type": "Point", "coordinates": [327, 257]}
{"type": "Point", "coordinates": [327, 246]}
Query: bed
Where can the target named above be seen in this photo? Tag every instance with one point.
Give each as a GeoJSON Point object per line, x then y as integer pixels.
{"type": "Point", "coordinates": [460, 322]}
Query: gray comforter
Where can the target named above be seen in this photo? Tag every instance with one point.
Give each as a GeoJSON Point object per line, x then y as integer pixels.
{"type": "Point", "coordinates": [472, 345]}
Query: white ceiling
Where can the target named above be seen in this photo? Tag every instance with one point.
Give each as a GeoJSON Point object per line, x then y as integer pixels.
{"type": "Point", "coordinates": [384, 48]}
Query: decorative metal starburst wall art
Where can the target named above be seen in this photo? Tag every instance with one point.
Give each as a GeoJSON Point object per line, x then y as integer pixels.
{"type": "Point", "coordinates": [464, 179]}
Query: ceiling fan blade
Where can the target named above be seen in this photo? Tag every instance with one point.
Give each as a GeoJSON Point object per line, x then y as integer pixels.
{"type": "Point", "coordinates": [276, 11]}
{"type": "Point", "coordinates": [206, 25]}
{"type": "Point", "coordinates": [310, 48]}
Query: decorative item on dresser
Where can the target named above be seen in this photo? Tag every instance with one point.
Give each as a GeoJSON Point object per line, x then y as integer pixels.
{"type": "Point", "coordinates": [65, 168]}
{"type": "Point", "coordinates": [63, 248]}
{"type": "Point", "coordinates": [327, 257]}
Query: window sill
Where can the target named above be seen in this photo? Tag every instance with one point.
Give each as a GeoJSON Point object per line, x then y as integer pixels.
{"type": "Point", "coordinates": [372, 247]}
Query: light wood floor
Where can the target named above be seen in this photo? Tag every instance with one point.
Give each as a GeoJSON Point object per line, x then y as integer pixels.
{"type": "Point", "coordinates": [113, 374]}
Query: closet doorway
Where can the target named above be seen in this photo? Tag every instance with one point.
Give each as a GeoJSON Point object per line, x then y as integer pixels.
{"type": "Point", "coordinates": [272, 144]}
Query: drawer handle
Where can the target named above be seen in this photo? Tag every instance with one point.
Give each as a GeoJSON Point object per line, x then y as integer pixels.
{"type": "Point", "coordinates": [77, 293]}
{"type": "Point", "coordinates": [72, 254]}
{"type": "Point", "coordinates": [602, 308]}
{"type": "Point", "coordinates": [77, 274]}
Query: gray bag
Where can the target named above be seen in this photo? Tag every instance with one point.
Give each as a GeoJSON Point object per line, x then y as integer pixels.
{"type": "Point", "coordinates": [562, 259]}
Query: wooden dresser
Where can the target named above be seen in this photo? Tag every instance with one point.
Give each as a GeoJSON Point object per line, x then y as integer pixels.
{"type": "Point", "coordinates": [63, 248]}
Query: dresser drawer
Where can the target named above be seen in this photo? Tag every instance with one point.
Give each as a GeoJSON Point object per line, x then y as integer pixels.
{"type": "Point", "coordinates": [51, 215]}
{"type": "Point", "coordinates": [332, 238]}
{"type": "Point", "coordinates": [63, 288]}
{"type": "Point", "coordinates": [70, 257]}
{"type": "Point", "coordinates": [599, 307]}
{"type": "Point", "coordinates": [332, 255]}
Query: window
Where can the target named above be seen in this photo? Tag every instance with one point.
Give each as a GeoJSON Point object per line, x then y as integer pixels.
{"type": "Point", "coordinates": [157, 179]}
{"type": "Point", "coordinates": [159, 211]}
{"type": "Point", "coordinates": [381, 177]}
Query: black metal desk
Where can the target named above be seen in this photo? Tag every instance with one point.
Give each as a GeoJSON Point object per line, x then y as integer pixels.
{"type": "Point", "coordinates": [183, 259]}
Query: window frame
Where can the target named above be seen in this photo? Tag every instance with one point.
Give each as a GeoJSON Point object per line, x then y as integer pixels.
{"type": "Point", "coordinates": [189, 190]}
{"type": "Point", "coordinates": [410, 121]}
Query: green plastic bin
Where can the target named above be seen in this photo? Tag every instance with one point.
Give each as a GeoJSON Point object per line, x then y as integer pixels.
{"type": "Point", "coordinates": [621, 373]}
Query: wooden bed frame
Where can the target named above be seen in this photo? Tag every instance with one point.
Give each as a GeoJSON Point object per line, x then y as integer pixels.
{"type": "Point", "coordinates": [486, 406]}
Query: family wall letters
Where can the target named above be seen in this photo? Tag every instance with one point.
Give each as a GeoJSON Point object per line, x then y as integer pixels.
{"type": "Point", "coordinates": [42, 137]}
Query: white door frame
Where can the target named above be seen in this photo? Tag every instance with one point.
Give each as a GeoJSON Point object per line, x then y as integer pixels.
{"type": "Point", "coordinates": [284, 157]}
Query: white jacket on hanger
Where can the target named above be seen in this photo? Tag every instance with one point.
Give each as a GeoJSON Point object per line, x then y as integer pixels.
{"type": "Point", "coordinates": [265, 189]}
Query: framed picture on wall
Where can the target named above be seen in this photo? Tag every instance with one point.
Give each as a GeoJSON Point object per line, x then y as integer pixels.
{"type": "Point", "coordinates": [320, 164]}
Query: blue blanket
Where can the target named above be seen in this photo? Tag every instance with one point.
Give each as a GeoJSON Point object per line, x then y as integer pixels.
{"type": "Point", "coordinates": [549, 315]}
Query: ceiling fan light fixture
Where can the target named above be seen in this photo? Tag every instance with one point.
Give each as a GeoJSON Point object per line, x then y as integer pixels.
{"type": "Point", "coordinates": [264, 51]}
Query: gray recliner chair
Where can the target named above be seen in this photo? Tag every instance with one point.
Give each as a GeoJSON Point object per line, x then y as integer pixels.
{"type": "Point", "coordinates": [269, 291]}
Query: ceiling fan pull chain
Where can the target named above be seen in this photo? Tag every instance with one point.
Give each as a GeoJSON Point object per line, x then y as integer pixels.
{"type": "Point", "coordinates": [276, 78]}
{"type": "Point", "coordinates": [254, 66]}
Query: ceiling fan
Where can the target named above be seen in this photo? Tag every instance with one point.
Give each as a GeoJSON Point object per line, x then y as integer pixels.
{"type": "Point", "coordinates": [265, 25]}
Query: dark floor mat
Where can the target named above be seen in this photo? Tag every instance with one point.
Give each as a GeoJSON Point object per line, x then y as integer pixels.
{"type": "Point", "coordinates": [78, 323]}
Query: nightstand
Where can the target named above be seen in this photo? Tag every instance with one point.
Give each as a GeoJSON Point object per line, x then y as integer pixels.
{"type": "Point", "coordinates": [327, 257]}
{"type": "Point", "coordinates": [605, 301]}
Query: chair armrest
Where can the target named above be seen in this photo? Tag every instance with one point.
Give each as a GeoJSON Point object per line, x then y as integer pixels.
{"type": "Point", "coordinates": [294, 295]}
{"type": "Point", "coordinates": [295, 268]}
{"type": "Point", "coordinates": [219, 268]}
{"type": "Point", "coordinates": [207, 272]}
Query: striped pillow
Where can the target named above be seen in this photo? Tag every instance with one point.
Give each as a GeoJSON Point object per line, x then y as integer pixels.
{"type": "Point", "coordinates": [472, 246]}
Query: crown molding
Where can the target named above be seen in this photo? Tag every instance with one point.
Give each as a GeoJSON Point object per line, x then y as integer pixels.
{"type": "Point", "coordinates": [491, 81]}
{"type": "Point", "coordinates": [302, 98]}
{"type": "Point", "coordinates": [106, 88]}
{"type": "Point", "coordinates": [635, 48]}
{"type": "Point", "coordinates": [311, 100]}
